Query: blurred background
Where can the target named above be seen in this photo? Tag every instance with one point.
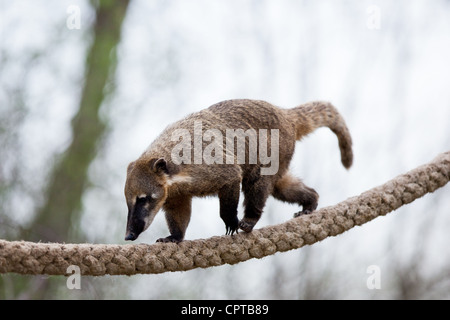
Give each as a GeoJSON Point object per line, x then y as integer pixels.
{"type": "Point", "coordinates": [86, 86]}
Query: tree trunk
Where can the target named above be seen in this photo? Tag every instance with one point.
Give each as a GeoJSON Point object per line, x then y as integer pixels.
{"type": "Point", "coordinates": [56, 219]}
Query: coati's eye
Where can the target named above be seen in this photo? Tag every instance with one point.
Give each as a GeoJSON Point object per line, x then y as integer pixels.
{"type": "Point", "coordinates": [150, 198]}
{"type": "Point", "coordinates": [141, 199]}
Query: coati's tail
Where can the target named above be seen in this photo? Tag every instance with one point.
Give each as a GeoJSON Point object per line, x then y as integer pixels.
{"type": "Point", "coordinates": [313, 115]}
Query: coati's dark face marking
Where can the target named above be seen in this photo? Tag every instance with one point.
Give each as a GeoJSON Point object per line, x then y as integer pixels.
{"type": "Point", "coordinates": [145, 192]}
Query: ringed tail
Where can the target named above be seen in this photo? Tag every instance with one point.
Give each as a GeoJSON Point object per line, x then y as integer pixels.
{"type": "Point", "coordinates": [312, 115]}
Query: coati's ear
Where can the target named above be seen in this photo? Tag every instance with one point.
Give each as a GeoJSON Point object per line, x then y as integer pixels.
{"type": "Point", "coordinates": [159, 166]}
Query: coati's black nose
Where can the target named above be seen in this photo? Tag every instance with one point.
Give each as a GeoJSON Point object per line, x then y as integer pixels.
{"type": "Point", "coordinates": [130, 236]}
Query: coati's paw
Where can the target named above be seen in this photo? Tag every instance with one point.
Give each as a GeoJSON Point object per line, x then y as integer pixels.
{"type": "Point", "coordinates": [302, 213]}
{"type": "Point", "coordinates": [230, 230]}
{"type": "Point", "coordinates": [232, 226]}
{"type": "Point", "coordinates": [246, 225]}
{"type": "Point", "coordinates": [169, 239]}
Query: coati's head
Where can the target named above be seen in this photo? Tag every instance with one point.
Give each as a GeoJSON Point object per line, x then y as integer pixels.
{"type": "Point", "coordinates": [145, 192]}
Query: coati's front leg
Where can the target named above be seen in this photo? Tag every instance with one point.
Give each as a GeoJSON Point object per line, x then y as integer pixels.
{"type": "Point", "coordinates": [256, 191]}
{"type": "Point", "coordinates": [178, 214]}
{"type": "Point", "coordinates": [229, 200]}
{"type": "Point", "coordinates": [291, 189]}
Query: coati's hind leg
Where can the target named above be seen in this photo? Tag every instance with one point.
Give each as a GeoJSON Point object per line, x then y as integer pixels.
{"type": "Point", "coordinates": [229, 200]}
{"type": "Point", "coordinates": [291, 189]}
{"type": "Point", "coordinates": [256, 191]}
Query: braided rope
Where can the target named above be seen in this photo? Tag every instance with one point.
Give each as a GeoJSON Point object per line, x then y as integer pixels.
{"type": "Point", "coordinates": [99, 259]}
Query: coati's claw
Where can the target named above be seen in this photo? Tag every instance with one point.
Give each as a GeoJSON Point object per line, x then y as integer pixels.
{"type": "Point", "coordinates": [230, 230]}
{"type": "Point", "coordinates": [231, 225]}
{"type": "Point", "coordinates": [169, 239]}
{"type": "Point", "coordinates": [246, 226]}
{"type": "Point", "coordinates": [302, 213]}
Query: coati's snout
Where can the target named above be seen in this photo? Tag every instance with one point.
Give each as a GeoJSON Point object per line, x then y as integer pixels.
{"type": "Point", "coordinates": [135, 225]}
{"type": "Point", "coordinates": [140, 216]}
{"type": "Point", "coordinates": [145, 192]}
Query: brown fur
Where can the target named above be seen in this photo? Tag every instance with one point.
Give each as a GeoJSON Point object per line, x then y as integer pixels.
{"type": "Point", "coordinates": [173, 186]}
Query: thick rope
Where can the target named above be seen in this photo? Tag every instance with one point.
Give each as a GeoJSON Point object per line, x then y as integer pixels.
{"type": "Point", "coordinates": [99, 259]}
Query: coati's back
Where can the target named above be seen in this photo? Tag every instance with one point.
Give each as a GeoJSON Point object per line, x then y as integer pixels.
{"type": "Point", "coordinates": [232, 115]}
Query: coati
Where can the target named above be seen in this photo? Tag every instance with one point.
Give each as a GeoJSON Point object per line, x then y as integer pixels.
{"type": "Point", "coordinates": [158, 180]}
